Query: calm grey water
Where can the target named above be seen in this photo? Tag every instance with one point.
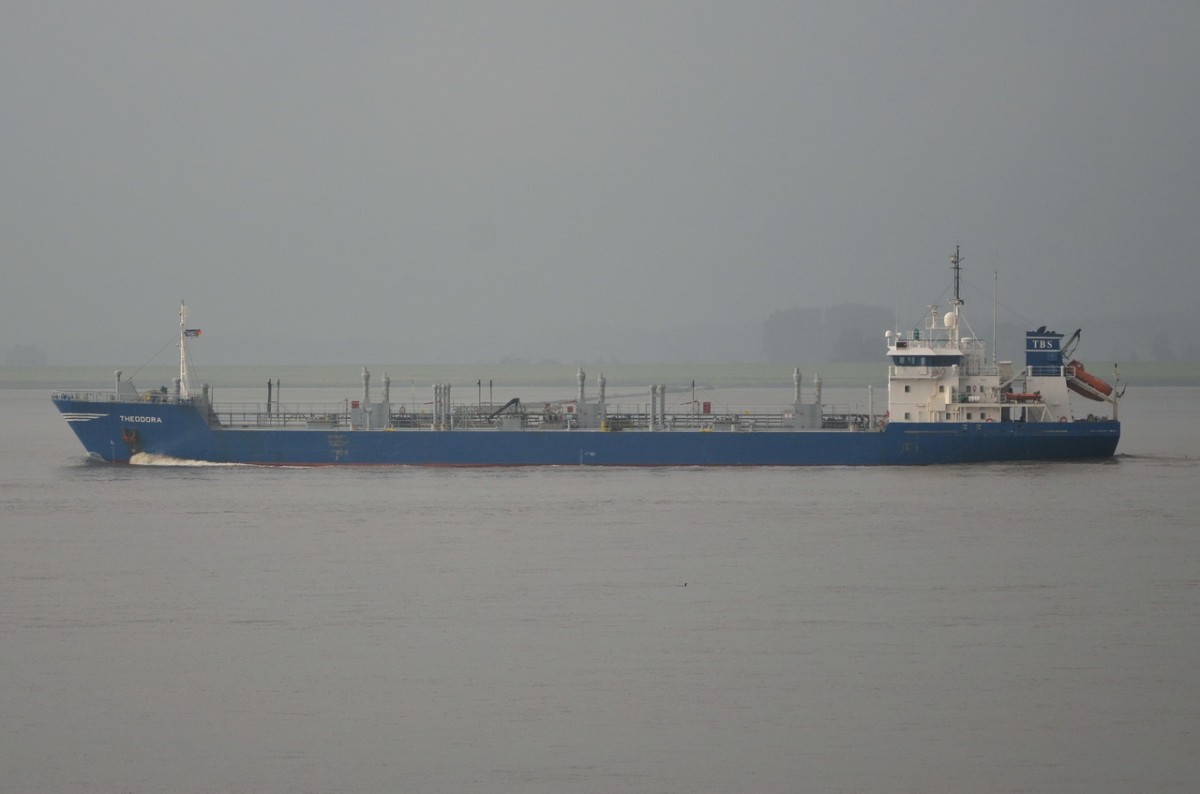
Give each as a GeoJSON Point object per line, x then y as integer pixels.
{"type": "Point", "coordinates": [1005, 628]}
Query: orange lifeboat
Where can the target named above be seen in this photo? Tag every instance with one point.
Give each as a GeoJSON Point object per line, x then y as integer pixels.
{"type": "Point", "coordinates": [1082, 382]}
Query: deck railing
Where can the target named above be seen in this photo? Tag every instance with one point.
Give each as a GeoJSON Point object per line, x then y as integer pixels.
{"type": "Point", "coordinates": [618, 416]}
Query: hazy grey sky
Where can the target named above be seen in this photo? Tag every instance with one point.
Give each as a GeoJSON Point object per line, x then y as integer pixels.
{"type": "Point", "coordinates": [411, 181]}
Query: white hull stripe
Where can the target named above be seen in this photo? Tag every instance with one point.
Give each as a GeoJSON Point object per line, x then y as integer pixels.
{"type": "Point", "coordinates": [81, 417]}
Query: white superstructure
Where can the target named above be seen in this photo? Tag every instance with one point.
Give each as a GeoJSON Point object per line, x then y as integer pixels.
{"type": "Point", "coordinates": [941, 373]}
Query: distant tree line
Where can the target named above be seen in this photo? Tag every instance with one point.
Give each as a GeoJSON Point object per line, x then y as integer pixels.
{"type": "Point", "coordinates": [853, 332]}
{"type": "Point", "coordinates": [848, 332]}
{"type": "Point", "coordinates": [24, 356]}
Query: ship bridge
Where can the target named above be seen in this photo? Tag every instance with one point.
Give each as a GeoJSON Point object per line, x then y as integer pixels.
{"type": "Point", "coordinates": [939, 374]}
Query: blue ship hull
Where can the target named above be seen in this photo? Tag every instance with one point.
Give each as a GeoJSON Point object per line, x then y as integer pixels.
{"type": "Point", "coordinates": [116, 431]}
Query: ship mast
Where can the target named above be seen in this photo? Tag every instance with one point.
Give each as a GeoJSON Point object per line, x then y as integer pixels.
{"type": "Point", "coordinates": [955, 265]}
{"type": "Point", "coordinates": [995, 302]}
{"type": "Point", "coordinates": [184, 385]}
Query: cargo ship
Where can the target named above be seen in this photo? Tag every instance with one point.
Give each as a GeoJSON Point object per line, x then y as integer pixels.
{"type": "Point", "coordinates": [947, 403]}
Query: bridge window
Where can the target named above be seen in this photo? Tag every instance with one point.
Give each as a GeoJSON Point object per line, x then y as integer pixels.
{"type": "Point", "coordinates": [925, 361]}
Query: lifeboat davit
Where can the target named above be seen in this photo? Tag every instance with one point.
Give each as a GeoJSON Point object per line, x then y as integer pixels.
{"type": "Point", "coordinates": [1082, 382]}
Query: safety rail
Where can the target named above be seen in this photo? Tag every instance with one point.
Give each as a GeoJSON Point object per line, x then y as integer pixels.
{"type": "Point", "coordinates": [617, 416]}
{"type": "Point", "coordinates": [297, 415]}
{"type": "Point", "coordinates": [112, 397]}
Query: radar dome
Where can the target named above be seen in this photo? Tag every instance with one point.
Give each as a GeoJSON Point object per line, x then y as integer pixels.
{"type": "Point", "coordinates": [950, 320]}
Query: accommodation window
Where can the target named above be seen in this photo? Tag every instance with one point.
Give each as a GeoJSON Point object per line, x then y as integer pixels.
{"type": "Point", "coordinates": [906, 389]}
{"type": "Point", "coordinates": [968, 416]}
{"type": "Point", "coordinates": [941, 389]}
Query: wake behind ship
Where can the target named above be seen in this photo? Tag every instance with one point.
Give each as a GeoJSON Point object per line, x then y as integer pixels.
{"type": "Point", "coordinates": [946, 403]}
